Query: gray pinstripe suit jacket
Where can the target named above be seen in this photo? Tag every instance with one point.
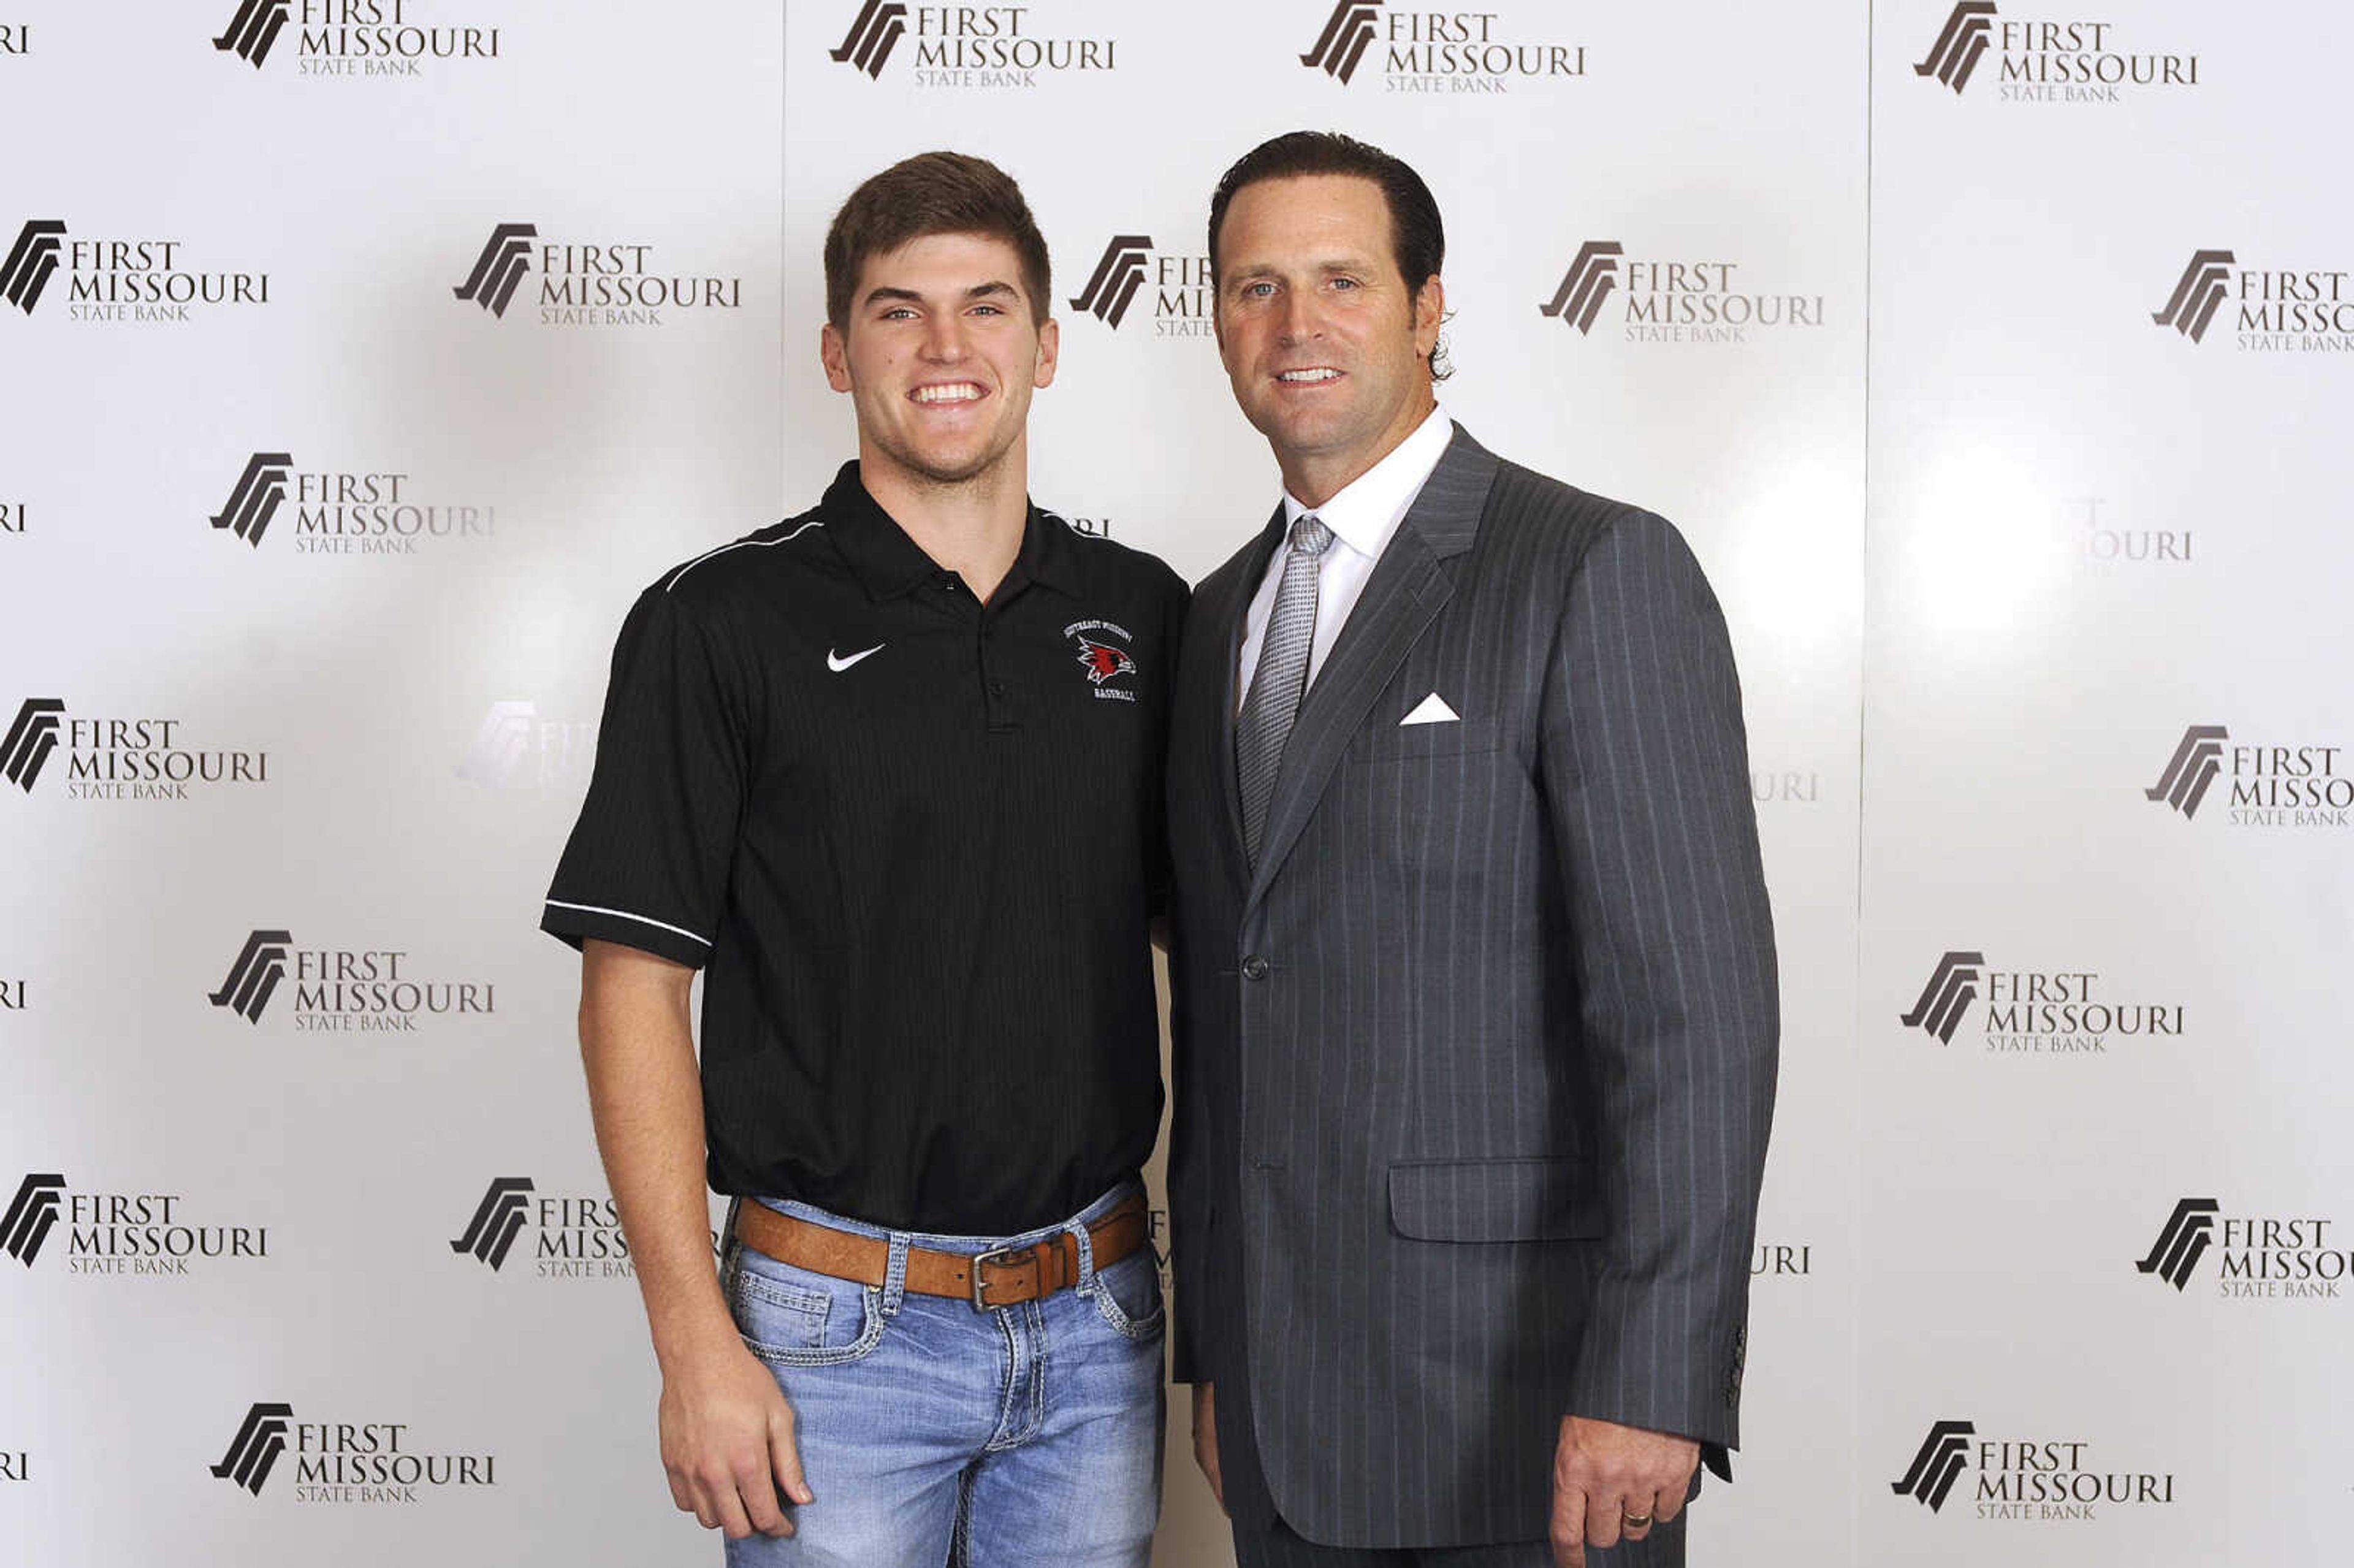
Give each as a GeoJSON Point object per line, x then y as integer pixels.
{"type": "Point", "coordinates": [1474, 1074]}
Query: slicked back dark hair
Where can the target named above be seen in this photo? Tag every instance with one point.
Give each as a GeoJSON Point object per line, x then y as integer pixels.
{"type": "Point", "coordinates": [932, 193]}
{"type": "Point", "coordinates": [1417, 235]}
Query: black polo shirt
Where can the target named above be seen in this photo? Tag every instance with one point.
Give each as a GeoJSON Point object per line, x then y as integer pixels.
{"type": "Point", "coordinates": [914, 842]}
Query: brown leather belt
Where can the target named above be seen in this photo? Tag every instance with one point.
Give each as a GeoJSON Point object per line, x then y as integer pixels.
{"type": "Point", "coordinates": [1004, 1278]}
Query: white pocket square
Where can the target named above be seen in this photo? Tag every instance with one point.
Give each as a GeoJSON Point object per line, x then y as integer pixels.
{"type": "Point", "coordinates": [1432, 709]}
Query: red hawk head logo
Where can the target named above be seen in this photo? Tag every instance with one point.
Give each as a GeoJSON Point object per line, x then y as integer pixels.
{"type": "Point", "coordinates": [1102, 660]}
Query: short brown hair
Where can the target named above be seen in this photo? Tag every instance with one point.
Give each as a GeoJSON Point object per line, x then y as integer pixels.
{"type": "Point", "coordinates": [931, 193]}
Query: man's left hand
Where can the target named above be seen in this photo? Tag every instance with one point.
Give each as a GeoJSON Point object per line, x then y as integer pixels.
{"type": "Point", "coordinates": [1612, 1483]}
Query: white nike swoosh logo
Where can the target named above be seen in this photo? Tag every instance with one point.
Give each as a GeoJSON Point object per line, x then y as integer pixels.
{"type": "Point", "coordinates": [838, 664]}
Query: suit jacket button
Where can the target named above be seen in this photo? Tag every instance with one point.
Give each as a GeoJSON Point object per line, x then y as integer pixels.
{"type": "Point", "coordinates": [1254, 968]}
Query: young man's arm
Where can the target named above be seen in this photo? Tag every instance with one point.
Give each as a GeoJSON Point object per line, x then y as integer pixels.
{"type": "Point", "coordinates": [726, 1427]}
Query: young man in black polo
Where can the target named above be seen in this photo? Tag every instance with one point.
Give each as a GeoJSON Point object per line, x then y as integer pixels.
{"type": "Point", "coordinates": [888, 773]}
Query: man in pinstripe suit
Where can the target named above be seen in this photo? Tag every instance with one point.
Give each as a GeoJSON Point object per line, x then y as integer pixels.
{"type": "Point", "coordinates": [1475, 996]}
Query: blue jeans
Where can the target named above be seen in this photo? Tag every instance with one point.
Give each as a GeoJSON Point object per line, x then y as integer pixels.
{"type": "Point", "coordinates": [934, 1433]}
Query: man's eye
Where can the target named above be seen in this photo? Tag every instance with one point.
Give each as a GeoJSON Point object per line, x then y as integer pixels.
{"type": "Point", "coordinates": [987, 310]}
{"type": "Point", "coordinates": [1344, 283]}
{"type": "Point", "coordinates": [899, 313]}
{"type": "Point", "coordinates": [1258, 290]}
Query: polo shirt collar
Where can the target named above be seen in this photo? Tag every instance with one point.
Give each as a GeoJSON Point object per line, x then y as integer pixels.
{"type": "Point", "coordinates": [1365, 512]}
{"type": "Point", "coordinates": [890, 564]}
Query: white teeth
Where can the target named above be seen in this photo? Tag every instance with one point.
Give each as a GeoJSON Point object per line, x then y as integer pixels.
{"type": "Point", "coordinates": [962, 392]}
{"type": "Point", "coordinates": [1319, 374]}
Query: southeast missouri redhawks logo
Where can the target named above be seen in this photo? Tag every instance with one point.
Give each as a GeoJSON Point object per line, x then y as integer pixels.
{"type": "Point", "coordinates": [1103, 661]}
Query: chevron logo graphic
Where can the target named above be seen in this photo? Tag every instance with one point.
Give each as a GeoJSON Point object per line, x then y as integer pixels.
{"type": "Point", "coordinates": [1947, 996]}
{"type": "Point", "coordinates": [2194, 767]}
{"type": "Point", "coordinates": [31, 261]}
{"type": "Point", "coordinates": [501, 266]}
{"type": "Point", "coordinates": [255, 500]}
{"type": "Point", "coordinates": [30, 739]}
{"type": "Point", "coordinates": [31, 1214]}
{"type": "Point", "coordinates": [1942, 1455]}
{"type": "Point", "coordinates": [1348, 33]}
{"type": "Point", "coordinates": [253, 29]}
{"type": "Point", "coordinates": [500, 744]}
{"type": "Point", "coordinates": [1117, 278]}
{"type": "Point", "coordinates": [872, 37]}
{"type": "Point", "coordinates": [2188, 1231]}
{"type": "Point", "coordinates": [1592, 274]}
{"type": "Point", "coordinates": [2198, 294]}
{"type": "Point", "coordinates": [1960, 47]}
{"type": "Point", "coordinates": [260, 1439]}
{"type": "Point", "coordinates": [259, 966]}
{"type": "Point", "coordinates": [496, 1221]}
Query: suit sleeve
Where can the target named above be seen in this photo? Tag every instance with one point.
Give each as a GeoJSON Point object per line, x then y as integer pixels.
{"type": "Point", "coordinates": [1644, 763]}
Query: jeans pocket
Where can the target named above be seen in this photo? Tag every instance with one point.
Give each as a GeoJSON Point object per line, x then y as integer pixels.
{"type": "Point", "coordinates": [1128, 1294]}
{"type": "Point", "coordinates": [794, 1317]}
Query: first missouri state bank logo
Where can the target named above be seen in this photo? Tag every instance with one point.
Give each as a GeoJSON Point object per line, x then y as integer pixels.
{"type": "Point", "coordinates": [120, 1233]}
{"type": "Point", "coordinates": [2044, 60]}
{"type": "Point", "coordinates": [351, 991]}
{"type": "Point", "coordinates": [126, 759]}
{"type": "Point", "coordinates": [348, 511]}
{"type": "Point", "coordinates": [1671, 301]}
{"type": "Point", "coordinates": [32, 262]}
{"type": "Point", "coordinates": [343, 1461]}
{"type": "Point", "coordinates": [1181, 298]}
{"type": "Point", "coordinates": [2266, 785]}
{"type": "Point", "coordinates": [595, 283]}
{"type": "Point", "coordinates": [1423, 51]}
{"type": "Point", "coordinates": [2012, 1477]}
{"type": "Point", "coordinates": [30, 740]}
{"type": "Point", "coordinates": [32, 1214]}
{"type": "Point", "coordinates": [2276, 310]}
{"type": "Point", "coordinates": [2276, 1257]}
{"type": "Point", "coordinates": [2033, 1012]}
{"type": "Point", "coordinates": [572, 1235]}
{"type": "Point", "coordinates": [351, 38]}
{"type": "Point", "coordinates": [971, 46]}
{"type": "Point", "coordinates": [140, 279]}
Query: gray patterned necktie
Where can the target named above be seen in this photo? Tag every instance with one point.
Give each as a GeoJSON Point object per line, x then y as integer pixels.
{"type": "Point", "coordinates": [1281, 677]}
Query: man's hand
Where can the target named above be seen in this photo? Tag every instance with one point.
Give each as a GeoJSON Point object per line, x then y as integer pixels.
{"type": "Point", "coordinates": [728, 1439]}
{"type": "Point", "coordinates": [1205, 1438]}
{"type": "Point", "coordinates": [1606, 1476]}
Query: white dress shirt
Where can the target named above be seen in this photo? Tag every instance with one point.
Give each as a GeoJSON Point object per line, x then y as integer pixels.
{"type": "Point", "coordinates": [1362, 516]}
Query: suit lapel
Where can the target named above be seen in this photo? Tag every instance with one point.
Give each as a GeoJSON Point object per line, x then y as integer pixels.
{"type": "Point", "coordinates": [1409, 586]}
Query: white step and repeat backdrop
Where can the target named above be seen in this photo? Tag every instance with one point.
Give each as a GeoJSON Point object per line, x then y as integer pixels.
{"type": "Point", "coordinates": [359, 359]}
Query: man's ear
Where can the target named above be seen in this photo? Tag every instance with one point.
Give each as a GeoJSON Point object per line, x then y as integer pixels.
{"type": "Point", "coordinates": [1429, 314]}
{"type": "Point", "coordinates": [834, 352]}
{"type": "Point", "coordinates": [1050, 349]}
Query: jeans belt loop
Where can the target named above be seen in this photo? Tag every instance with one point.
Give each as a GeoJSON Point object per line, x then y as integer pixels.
{"type": "Point", "coordinates": [1085, 1283]}
{"type": "Point", "coordinates": [894, 1276]}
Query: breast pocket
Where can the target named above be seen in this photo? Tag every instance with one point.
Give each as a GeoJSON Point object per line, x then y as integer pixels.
{"type": "Point", "coordinates": [1452, 737]}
